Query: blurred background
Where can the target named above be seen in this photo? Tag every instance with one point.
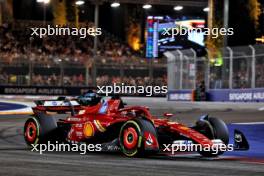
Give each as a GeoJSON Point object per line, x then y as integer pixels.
{"type": "Point", "coordinates": [132, 49]}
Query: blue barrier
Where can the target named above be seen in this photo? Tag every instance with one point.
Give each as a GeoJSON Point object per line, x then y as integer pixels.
{"type": "Point", "coordinates": [237, 95]}
{"type": "Point", "coordinates": [232, 95]}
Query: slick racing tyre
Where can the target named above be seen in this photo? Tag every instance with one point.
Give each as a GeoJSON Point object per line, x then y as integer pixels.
{"type": "Point", "coordinates": [39, 129]}
{"type": "Point", "coordinates": [214, 128]}
{"type": "Point", "coordinates": [138, 138]}
{"type": "Point", "coordinates": [31, 131]}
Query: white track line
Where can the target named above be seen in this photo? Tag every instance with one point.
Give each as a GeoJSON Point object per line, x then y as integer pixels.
{"type": "Point", "coordinates": [261, 109]}
{"type": "Point", "coordinates": [249, 123]}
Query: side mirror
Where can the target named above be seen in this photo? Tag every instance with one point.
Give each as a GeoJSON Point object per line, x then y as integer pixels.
{"type": "Point", "coordinates": [168, 115]}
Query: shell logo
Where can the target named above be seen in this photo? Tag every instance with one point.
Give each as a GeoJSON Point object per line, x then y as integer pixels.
{"type": "Point", "coordinates": [184, 128]}
{"type": "Point", "coordinates": [88, 129]}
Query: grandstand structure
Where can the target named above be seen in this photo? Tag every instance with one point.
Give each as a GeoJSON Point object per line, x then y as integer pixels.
{"type": "Point", "coordinates": [31, 61]}
{"type": "Point", "coordinates": [67, 61]}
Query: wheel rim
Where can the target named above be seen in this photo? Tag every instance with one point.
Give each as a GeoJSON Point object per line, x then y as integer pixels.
{"type": "Point", "coordinates": [130, 138]}
{"type": "Point", "coordinates": [31, 132]}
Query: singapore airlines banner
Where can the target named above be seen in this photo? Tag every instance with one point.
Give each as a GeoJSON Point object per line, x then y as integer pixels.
{"type": "Point", "coordinates": [233, 95]}
{"type": "Point", "coordinates": [240, 95]}
{"type": "Point", "coordinates": [51, 91]}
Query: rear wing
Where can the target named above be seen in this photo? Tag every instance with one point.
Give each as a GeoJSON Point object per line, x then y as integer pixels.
{"type": "Point", "coordinates": [59, 106]}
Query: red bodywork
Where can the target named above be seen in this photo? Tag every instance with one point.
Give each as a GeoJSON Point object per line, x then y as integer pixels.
{"type": "Point", "coordinates": [93, 120]}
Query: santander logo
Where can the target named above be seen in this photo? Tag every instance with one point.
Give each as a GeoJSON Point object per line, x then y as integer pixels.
{"type": "Point", "coordinates": [149, 140]}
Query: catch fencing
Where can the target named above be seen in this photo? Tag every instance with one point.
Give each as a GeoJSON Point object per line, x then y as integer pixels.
{"type": "Point", "coordinates": [238, 69]}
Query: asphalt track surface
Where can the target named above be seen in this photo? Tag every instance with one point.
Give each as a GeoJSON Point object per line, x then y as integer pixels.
{"type": "Point", "coordinates": [16, 159]}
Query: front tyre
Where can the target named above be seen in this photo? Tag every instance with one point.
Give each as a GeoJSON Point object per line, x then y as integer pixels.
{"type": "Point", "coordinates": [214, 128]}
{"type": "Point", "coordinates": [138, 138]}
{"type": "Point", "coordinates": [220, 129]}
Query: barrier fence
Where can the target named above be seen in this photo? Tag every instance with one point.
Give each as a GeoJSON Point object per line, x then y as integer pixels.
{"type": "Point", "coordinates": [234, 69]}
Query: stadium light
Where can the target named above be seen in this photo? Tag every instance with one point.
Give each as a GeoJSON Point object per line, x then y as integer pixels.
{"type": "Point", "coordinates": [79, 2]}
{"type": "Point", "coordinates": [206, 9]}
{"type": "Point", "coordinates": [147, 6]}
{"type": "Point", "coordinates": [115, 4]}
{"type": "Point", "coordinates": [44, 1]}
{"type": "Point", "coordinates": [178, 8]}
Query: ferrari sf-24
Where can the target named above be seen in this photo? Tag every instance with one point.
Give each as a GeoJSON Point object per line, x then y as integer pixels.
{"type": "Point", "coordinates": [132, 129]}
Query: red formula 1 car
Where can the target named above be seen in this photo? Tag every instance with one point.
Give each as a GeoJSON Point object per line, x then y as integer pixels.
{"type": "Point", "coordinates": [132, 129]}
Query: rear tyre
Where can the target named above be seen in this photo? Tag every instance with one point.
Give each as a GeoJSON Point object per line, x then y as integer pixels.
{"type": "Point", "coordinates": [40, 129]}
{"type": "Point", "coordinates": [215, 128]}
{"type": "Point", "coordinates": [31, 131]}
{"type": "Point", "coordinates": [133, 140]}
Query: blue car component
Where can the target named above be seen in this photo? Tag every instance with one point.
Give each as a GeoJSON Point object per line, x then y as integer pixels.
{"type": "Point", "coordinates": [103, 108]}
